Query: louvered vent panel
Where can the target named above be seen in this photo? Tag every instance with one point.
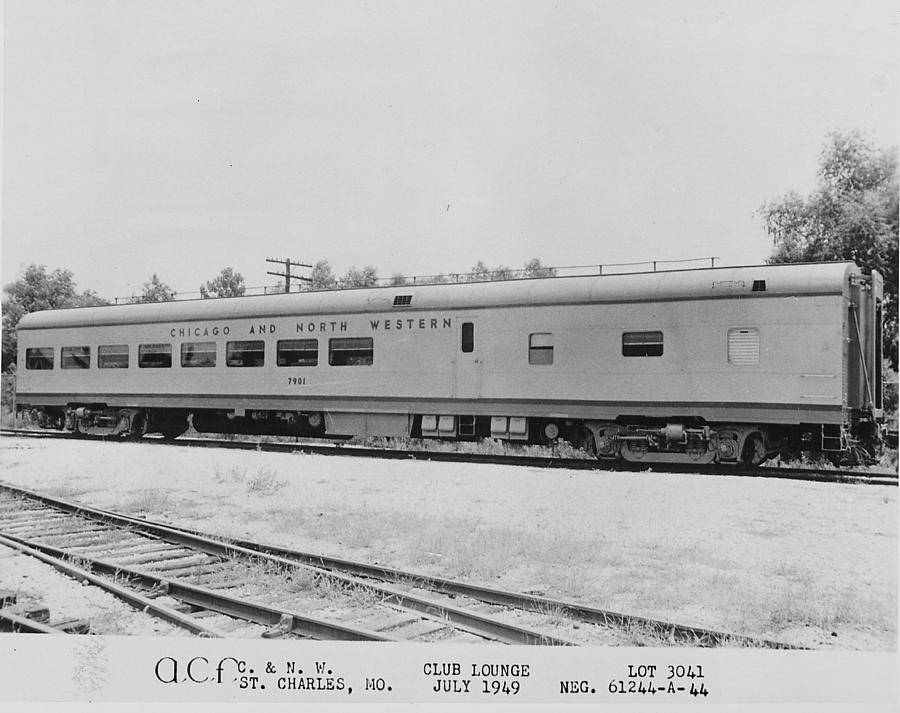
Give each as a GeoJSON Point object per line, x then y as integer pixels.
{"type": "Point", "coordinates": [743, 346]}
{"type": "Point", "coordinates": [759, 286]}
{"type": "Point", "coordinates": [402, 300]}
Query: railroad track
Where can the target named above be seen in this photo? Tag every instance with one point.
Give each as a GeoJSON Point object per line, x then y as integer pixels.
{"type": "Point", "coordinates": [216, 589]}
{"type": "Point", "coordinates": [25, 618]}
{"type": "Point", "coordinates": [549, 462]}
{"type": "Point", "coordinates": [211, 585]}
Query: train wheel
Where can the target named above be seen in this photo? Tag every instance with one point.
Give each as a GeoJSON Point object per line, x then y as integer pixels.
{"type": "Point", "coordinates": [587, 443]}
{"type": "Point", "coordinates": [549, 433]}
{"type": "Point", "coordinates": [856, 455]}
{"type": "Point", "coordinates": [754, 450]}
{"type": "Point", "coordinates": [138, 426]}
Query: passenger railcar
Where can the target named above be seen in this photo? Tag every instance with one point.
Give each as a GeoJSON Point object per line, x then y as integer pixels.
{"type": "Point", "coordinates": [718, 364]}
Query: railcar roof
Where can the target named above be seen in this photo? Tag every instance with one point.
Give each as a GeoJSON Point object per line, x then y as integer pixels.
{"type": "Point", "coordinates": [706, 283]}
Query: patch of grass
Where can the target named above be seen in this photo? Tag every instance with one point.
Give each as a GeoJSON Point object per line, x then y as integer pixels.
{"type": "Point", "coordinates": [573, 581]}
{"type": "Point", "coordinates": [795, 598]}
{"type": "Point", "coordinates": [261, 482]}
{"type": "Point", "coordinates": [555, 614]}
{"type": "Point", "coordinates": [76, 561]}
{"type": "Point", "coordinates": [286, 520]}
{"type": "Point", "coordinates": [279, 578]}
{"type": "Point", "coordinates": [232, 475]}
{"type": "Point", "coordinates": [805, 603]}
{"type": "Point", "coordinates": [361, 595]}
{"type": "Point", "coordinates": [460, 547]}
{"type": "Point", "coordinates": [469, 549]}
{"type": "Point", "coordinates": [150, 500]}
{"type": "Point", "coordinates": [265, 482]}
{"type": "Point", "coordinates": [358, 529]}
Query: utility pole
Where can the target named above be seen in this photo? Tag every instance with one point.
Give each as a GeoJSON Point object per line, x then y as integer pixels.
{"type": "Point", "coordinates": [287, 275]}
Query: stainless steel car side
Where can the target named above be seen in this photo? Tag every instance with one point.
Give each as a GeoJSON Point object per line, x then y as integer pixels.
{"type": "Point", "coordinates": [719, 364]}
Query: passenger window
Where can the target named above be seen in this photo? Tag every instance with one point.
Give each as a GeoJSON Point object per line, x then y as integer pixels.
{"type": "Point", "coordinates": [249, 353]}
{"type": "Point", "coordinates": [112, 356]}
{"type": "Point", "coordinates": [75, 358]}
{"type": "Point", "coordinates": [39, 358]}
{"type": "Point", "coordinates": [298, 352]}
{"type": "Point", "coordinates": [743, 346]}
{"type": "Point", "coordinates": [154, 356]}
{"type": "Point", "coordinates": [468, 337]}
{"type": "Point", "coordinates": [540, 348]}
{"type": "Point", "coordinates": [352, 351]}
{"type": "Point", "coordinates": [202, 354]}
{"type": "Point", "coordinates": [642, 344]}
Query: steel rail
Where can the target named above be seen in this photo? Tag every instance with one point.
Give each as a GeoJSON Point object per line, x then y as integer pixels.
{"type": "Point", "coordinates": [478, 624]}
{"type": "Point", "coordinates": [197, 596]}
{"type": "Point", "coordinates": [24, 625]}
{"type": "Point", "coordinates": [138, 601]}
{"type": "Point", "coordinates": [547, 462]}
{"type": "Point", "coordinates": [669, 630]}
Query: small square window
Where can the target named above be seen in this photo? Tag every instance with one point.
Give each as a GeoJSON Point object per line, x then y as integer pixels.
{"type": "Point", "coordinates": [199, 354]}
{"type": "Point", "coordinates": [154, 356]}
{"type": "Point", "coordinates": [540, 348]}
{"type": "Point", "coordinates": [112, 356]}
{"type": "Point", "coordinates": [642, 344]}
{"type": "Point", "coordinates": [352, 351]}
{"type": "Point", "coordinates": [75, 358]}
{"type": "Point", "coordinates": [245, 353]}
{"type": "Point", "coordinates": [298, 352]}
{"type": "Point", "coordinates": [39, 358]}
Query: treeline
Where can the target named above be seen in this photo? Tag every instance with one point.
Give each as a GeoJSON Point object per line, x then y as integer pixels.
{"type": "Point", "coordinates": [322, 277]}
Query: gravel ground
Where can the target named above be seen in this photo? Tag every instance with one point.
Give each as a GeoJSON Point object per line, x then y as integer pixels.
{"type": "Point", "coordinates": [808, 563]}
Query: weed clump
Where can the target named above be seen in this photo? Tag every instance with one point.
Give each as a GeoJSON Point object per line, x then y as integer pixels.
{"type": "Point", "coordinates": [265, 482]}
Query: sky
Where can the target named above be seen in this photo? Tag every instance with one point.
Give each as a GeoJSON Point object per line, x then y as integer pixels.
{"type": "Point", "coordinates": [179, 138]}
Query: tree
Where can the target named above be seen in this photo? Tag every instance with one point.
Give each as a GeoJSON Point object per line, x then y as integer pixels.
{"type": "Point", "coordinates": [35, 291]}
{"type": "Point", "coordinates": [366, 277]}
{"type": "Point", "coordinates": [155, 290]}
{"type": "Point", "coordinates": [479, 273]}
{"type": "Point", "coordinates": [483, 273]}
{"type": "Point", "coordinates": [534, 268]}
{"type": "Point", "coordinates": [398, 279]}
{"type": "Point", "coordinates": [228, 284]}
{"type": "Point", "coordinates": [852, 215]}
{"type": "Point", "coordinates": [322, 277]}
